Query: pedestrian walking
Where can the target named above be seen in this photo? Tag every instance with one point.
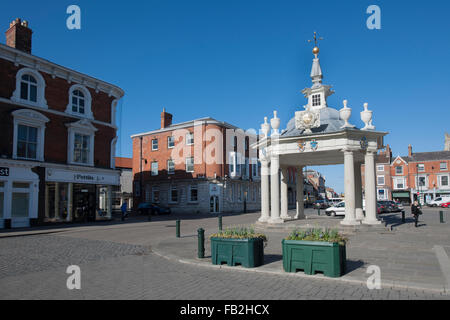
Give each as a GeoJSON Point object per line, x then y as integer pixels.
{"type": "Point", "coordinates": [124, 208]}
{"type": "Point", "coordinates": [416, 212]}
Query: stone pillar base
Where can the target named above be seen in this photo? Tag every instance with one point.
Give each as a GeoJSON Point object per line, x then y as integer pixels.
{"type": "Point", "coordinates": [276, 221]}
{"type": "Point", "coordinates": [372, 222]}
{"type": "Point", "coordinates": [360, 214]}
{"type": "Point", "coordinates": [286, 217]}
{"type": "Point", "coordinates": [351, 223]}
{"type": "Point", "coordinates": [263, 219]}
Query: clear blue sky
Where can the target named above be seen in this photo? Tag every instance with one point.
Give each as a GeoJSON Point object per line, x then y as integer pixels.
{"type": "Point", "coordinates": [238, 60]}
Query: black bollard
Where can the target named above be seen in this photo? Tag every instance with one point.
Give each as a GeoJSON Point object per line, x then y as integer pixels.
{"type": "Point", "coordinates": [201, 243]}
{"type": "Point", "coordinates": [441, 216]}
{"type": "Point", "coordinates": [403, 216]}
{"type": "Point", "coordinates": [220, 222]}
{"type": "Point", "coordinates": [178, 228]}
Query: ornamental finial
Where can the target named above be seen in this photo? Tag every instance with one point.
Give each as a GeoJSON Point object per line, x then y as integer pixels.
{"type": "Point", "coordinates": [316, 40]}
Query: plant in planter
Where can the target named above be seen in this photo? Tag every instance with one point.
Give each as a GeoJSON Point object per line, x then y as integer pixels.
{"type": "Point", "coordinates": [315, 250]}
{"type": "Point", "coordinates": [238, 245]}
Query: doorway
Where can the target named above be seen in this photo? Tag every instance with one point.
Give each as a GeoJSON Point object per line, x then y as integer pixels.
{"type": "Point", "coordinates": [214, 204]}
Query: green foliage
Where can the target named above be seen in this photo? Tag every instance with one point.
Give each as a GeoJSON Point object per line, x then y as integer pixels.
{"type": "Point", "coordinates": [326, 235]}
{"type": "Point", "coordinates": [239, 233]}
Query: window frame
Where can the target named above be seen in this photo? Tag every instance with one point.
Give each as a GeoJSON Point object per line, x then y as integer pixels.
{"type": "Point", "coordinates": [396, 171]}
{"type": "Point", "coordinates": [171, 189]}
{"type": "Point", "coordinates": [190, 134]}
{"type": "Point", "coordinates": [40, 91]}
{"type": "Point", "coordinates": [378, 181]}
{"type": "Point", "coordinates": [86, 128]}
{"type": "Point", "coordinates": [378, 168]}
{"type": "Point", "coordinates": [193, 164]}
{"type": "Point", "coordinates": [168, 142]}
{"type": "Point", "coordinates": [168, 166]}
{"type": "Point", "coordinates": [440, 181]}
{"type": "Point", "coordinates": [153, 174]}
{"type": "Point", "coordinates": [87, 102]}
{"type": "Point", "coordinates": [193, 187]}
{"type": "Point", "coordinates": [30, 118]}
{"type": "Point", "coordinates": [441, 167]}
{"type": "Point", "coordinates": [157, 144]}
{"type": "Point", "coordinates": [420, 167]}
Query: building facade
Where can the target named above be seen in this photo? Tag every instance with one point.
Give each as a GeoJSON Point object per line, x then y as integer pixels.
{"type": "Point", "coordinates": [124, 192]}
{"type": "Point", "coordinates": [420, 176]}
{"type": "Point", "coordinates": [199, 166]}
{"type": "Point", "coordinates": [58, 138]}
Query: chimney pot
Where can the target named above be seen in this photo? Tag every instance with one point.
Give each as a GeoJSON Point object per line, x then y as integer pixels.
{"type": "Point", "coordinates": [410, 151]}
{"type": "Point", "coordinates": [166, 119]}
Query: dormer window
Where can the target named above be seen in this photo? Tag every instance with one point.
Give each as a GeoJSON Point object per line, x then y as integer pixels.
{"type": "Point", "coordinates": [28, 88]}
{"type": "Point", "coordinates": [316, 100]}
{"type": "Point", "coordinates": [80, 102]}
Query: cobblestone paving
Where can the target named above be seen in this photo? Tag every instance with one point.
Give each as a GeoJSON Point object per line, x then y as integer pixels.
{"type": "Point", "coordinates": [152, 277]}
{"type": "Point", "coordinates": [115, 271]}
{"type": "Point", "coordinates": [23, 255]}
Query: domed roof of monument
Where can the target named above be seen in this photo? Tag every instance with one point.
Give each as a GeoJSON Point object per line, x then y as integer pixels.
{"type": "Point", "coordinates": [329, 122]}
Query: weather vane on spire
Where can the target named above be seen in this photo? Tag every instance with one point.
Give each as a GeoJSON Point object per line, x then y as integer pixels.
{"type": "Point", "coordinates": [316, 42]}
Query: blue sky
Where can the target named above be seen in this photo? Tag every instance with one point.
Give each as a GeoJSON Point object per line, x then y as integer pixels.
{"type": "Point", "coordinates": [237, 61]}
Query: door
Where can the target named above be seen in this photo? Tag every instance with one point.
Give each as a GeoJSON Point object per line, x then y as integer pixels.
{"type": "Point", "coordinates": [214, 204]}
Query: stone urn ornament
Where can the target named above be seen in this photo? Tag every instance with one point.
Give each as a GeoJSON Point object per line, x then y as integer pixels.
{"type": "Point", "coordinates": [366, 117]}
{"type": "Point", "coordinates": [265, 127]}
{"type": "Point", "coordinates": [275, 123]}
{"type": "Point", "coordinates": [345, 114]}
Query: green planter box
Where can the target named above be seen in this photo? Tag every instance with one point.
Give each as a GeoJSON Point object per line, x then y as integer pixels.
{"type": "Point", "coordinates": [247, 252]}
{"type": "Point", "coordinates": [313, 257]}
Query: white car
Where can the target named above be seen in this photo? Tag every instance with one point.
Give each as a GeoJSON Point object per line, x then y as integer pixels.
{"type": "Point", "coordinates": [336, 210]}
{"type": "Point", "coordinates": [438, 201]}
{"type": "Point", "coordinates": [339, 209]}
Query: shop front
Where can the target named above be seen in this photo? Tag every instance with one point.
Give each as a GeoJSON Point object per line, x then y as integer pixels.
{"type": "Point", "coordinates": [403, 197]}
{"type": "Point", "coordinates": [73, 195]}
{"type": "Point", "coordinates": [19, 189]}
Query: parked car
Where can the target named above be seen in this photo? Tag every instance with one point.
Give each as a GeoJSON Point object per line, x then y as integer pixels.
{"type": "Point", "coordinates": [321, 204]}
{"type": "Point", "coordinates": [152, 208]}
{"type": "Point", "coordinates": [337, 210]}
{"type": "Point", "coordinates": [445, 205]}
{"type": "Point", "coordinates": [389, 206]}
{"type": "Point", "coordinates": [438, 201]}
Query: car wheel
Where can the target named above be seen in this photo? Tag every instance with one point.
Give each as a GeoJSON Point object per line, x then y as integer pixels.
{"type": "Point", "coordinates": [333, 214]}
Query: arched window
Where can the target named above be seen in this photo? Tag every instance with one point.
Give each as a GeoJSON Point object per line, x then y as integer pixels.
{"type": "Point", "coordinates": [80, 102]}
{"type": "Point", "coordinates": [30, 88]}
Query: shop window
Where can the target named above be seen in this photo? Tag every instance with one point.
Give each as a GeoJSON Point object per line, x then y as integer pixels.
{"type": "Point", "coordinates": [30, 88]}
{"type": "Point", "coordinates": [193, 193]}
{"type": "Point", "coordinates": [20, 204]}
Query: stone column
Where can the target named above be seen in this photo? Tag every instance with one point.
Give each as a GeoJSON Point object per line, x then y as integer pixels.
{"type": "Point", "coordinates": [47, 201]}
{"type": "Point", "coordinates": [371, 199]}
{"type": "Point", "coordinates": [57, 201]}
{"type": "Point", "coordinates": [265, 200]}
{"type": "Point", "coordinates": [284, 193]}
{"type": "Point", "coordinates": [349, 180]}
{"type": "Point", "coordinates": [69, 202]}
{"type": "Point", "coordinates": [275, 190]}
{"type": "Point", "coordinates": [300, 196]}
{"type": "Point", "coordinates": [358, 193]}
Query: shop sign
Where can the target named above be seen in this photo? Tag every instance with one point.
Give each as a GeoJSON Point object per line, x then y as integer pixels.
{"type": "Point", "coordinates": [4, 172]}
{"type": "Point", "coordinates": [57, 175]}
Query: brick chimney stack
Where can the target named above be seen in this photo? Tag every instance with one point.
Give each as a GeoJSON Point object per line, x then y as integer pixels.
{"type": "Point", "coordinates": [19, 36]}
{"type": "Point", "coordinates": [166, 119]}
{"type": "Point", "coordinates": [410, 151]}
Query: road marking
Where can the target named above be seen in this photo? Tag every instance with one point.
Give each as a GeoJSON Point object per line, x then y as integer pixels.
{"type": "Point", "coordinates": [444, 262]}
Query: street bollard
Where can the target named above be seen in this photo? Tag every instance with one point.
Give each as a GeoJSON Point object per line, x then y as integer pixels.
{"type": "Point", "coordinates": [178, 228]}
{"type": "Point", "coordinates": [220, 222]}
{"type": "Point", "coordinates": [149, 216]}
{"type": "Point", "coordinates": [441, 216]}
{"type": "Point", "coordinates": [403, 216]}
{"type": "Point", "coordinates": [201, 243]}
{"type": "Point", "coordinates": [318, 211]}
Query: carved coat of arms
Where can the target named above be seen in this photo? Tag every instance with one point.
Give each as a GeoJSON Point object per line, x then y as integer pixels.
{"type": "Point", "coordinates": [307, 120]}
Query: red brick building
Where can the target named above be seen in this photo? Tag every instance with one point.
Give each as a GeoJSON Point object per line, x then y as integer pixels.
{"type": "Point", "coordinates": [423, 176]}
{"type": "Point", "coordinates": [58, 138]}
{"type": "Point", "coordinates": [202, 165]}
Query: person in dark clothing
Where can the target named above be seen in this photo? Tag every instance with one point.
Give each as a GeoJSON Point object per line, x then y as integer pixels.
{"type": "Point", "coordinates": [416, 212]}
